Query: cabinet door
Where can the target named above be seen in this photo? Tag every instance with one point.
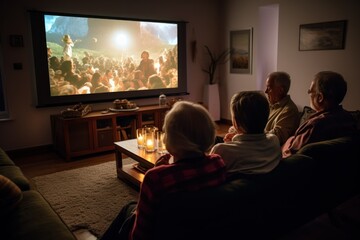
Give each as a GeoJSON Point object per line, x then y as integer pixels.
{"type": "Point", "coordinates": [79, 136]}
{"type": "Point", "coordinates": [72, 137]}
{"type": "Point", "coordinates": [104, 136]}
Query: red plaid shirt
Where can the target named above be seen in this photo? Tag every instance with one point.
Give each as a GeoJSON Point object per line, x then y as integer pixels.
{"type": "Point", "coordinates": [189, 174]}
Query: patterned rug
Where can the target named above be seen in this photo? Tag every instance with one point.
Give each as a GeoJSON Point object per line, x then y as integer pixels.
{"type": "Point", "coordinates": [86, 198]}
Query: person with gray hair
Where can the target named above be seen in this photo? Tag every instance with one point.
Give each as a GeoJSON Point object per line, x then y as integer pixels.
{"type": "Point", "coordinates": [189, 135]}
{"type": "Point", "coordinates": [331, 120]}
{"type": "Point", "coordinates": [251, 150]}
{"type": "Point", "coordinates": [284, 114]}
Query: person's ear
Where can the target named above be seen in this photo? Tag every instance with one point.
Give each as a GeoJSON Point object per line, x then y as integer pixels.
{"type": "Point", "coordinates": [320, 97]}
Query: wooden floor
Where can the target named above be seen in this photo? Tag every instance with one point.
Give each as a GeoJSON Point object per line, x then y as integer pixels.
{"type": "Point", "coordinates": [44, 160]}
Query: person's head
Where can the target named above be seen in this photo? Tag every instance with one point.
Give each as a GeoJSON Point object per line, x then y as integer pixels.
{"type": "Point", "coordinates": [155, 82]}
{"type": "Point", "coordinates": [66, 67]}
{"type": "Point", "coordinates": [189, 130]}
{"type": "Point", "coordinates": [54, 62]}
{"type": "Point", "coordinates": [95, 79]}
{"type": "Point", "coordinates": [249, 111]}
{"type": "Point", "coordinates": [277, 86]}
{"type": "Point", "coordinates": [145, 55]}
{"type": "Point", "coordinates": [68, 90]}
{"type": "Point", "coordinates": [327, 90]}
{"type": "Point", "coordinates": [49, 52]}
{"type": "Point", "coordinates": [67, 39]}
{"type": "Point", "coordinates": [109, 73]}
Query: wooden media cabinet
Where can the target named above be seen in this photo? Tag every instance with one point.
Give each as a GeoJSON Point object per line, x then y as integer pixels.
{"type": "Point", "coordinates": [98, 130]}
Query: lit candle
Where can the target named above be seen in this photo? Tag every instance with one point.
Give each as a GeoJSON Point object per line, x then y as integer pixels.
{"type": "Point", "coordinates": [150, 145]}
{"type": "Point", "coordinates": [162, 146]}
{"type": "Point", "coordinates": [140, 140]}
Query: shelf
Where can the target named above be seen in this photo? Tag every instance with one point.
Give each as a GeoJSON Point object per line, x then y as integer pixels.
{"type": "Point", "coordinates": [104, 129]}
{"type": "Point", "coordinates": [148, 123]}
{"type": "Point", "coordinates": [130, 174]}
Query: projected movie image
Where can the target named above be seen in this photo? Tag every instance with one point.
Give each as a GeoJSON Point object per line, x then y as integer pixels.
{"type": "Point", "coordinates": [93, 55]}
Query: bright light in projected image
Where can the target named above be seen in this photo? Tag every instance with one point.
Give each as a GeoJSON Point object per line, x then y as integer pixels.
{"type": "Point", "coordinates": [121, 40]}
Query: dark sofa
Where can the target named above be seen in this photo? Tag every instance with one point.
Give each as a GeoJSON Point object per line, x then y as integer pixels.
{"type": "Point", "coordinates": [312, 182]}
{"type": "Point", "coordinates": [33, 218]}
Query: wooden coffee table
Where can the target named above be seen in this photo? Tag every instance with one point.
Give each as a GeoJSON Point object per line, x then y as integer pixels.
{"type": "Point", "coordinates": [128, 172]}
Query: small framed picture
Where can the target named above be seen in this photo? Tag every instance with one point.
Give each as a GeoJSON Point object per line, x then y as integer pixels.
{"type": "Point", "coordinates": [322, 36]}
{"type": "Point", "coordinates": [241, 51]}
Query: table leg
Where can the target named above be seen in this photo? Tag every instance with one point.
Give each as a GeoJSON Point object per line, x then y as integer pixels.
{"type": "Point", "coordinates": [119, 162]}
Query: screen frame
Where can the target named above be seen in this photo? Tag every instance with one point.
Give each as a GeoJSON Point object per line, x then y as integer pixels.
{"type": "Point", "coordinates": [42, 83]}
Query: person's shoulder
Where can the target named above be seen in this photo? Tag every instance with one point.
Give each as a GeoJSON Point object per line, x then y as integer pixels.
{"type": "Point", "coordinates": [217, 148]}
{"type": "Point", "coordinates": [155, 172]}
{"type": "Point", "coordinates": [273, 138]}
{"type": "Point", "coordinates": [221, 148]}
{"type": "Point", "coordinates": [290, 108]}
{"type": "Point", "coordinates": [215, 160]}
{"type": "Point", "coordinates": [214, 157]}
{"type": "Point", "coordinates": [290, 103]}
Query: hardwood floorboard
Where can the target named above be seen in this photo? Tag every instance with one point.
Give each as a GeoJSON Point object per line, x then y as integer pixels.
{"type": "Point", "coordinates": [38, 164]}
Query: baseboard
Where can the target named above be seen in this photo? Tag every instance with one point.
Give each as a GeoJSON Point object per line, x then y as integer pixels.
{"type": "Point", "coordinates": [30, 150]}
{"type": "Point", "coordinates": [225, 121]}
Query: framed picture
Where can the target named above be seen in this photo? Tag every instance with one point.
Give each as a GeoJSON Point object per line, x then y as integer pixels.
{"type": "Point", "coordinates": [241, 51]}
{"type": "Point", "coordinates": [322, 36]}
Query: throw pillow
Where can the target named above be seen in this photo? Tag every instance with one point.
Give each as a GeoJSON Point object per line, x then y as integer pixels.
{"type": "Point", "coordinates": [10, 195]}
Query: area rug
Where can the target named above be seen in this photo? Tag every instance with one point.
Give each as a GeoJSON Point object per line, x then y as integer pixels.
{"type": "Point", "coordinates": [86, 198]}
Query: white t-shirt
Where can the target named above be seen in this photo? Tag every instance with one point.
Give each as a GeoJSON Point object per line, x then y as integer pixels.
{"type": "Point", "coordinates": [250, 153]}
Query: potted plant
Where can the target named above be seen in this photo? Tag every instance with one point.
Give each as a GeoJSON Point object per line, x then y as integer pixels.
{"type": "Point", "coordinates": [214, 61]}
{"type": "Point", "coordinates": [211, 90]}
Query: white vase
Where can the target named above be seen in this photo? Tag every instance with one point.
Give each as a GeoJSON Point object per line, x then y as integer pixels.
{"type": "Point", "coordinates": [212, 100]}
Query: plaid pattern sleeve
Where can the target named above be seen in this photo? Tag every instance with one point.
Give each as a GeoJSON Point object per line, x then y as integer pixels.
{"type": "Point", "coordinates": [184, 175]}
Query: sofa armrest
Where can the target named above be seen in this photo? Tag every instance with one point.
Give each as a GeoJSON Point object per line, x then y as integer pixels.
{"type": "Point", "coordinates": [15, 174]}
{"type": "Point", "coordinates": [5, 160]}
{"type": "Point", "coordinates": [34, 219]}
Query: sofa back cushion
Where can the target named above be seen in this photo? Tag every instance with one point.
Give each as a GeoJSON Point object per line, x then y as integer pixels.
{"type": "Point", "coordinates": [299, 189]}
{"type": "Point", "coordinates": [337, 167]}
{"type": "Point", "coordinates": [212, 213]}
{"type": "Point", "coordinates": [240, 207]}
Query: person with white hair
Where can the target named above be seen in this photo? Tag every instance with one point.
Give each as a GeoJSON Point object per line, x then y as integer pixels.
{"type": "Point", "coordinates": [189, 134]}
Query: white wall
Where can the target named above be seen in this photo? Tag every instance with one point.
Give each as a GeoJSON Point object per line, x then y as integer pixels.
{"type": "Point", "coordinates": [301, 65]}
{"type": "Point", "coordinates": [30, 126]}
{"type": "Point", "coordinates": [267, 42]}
